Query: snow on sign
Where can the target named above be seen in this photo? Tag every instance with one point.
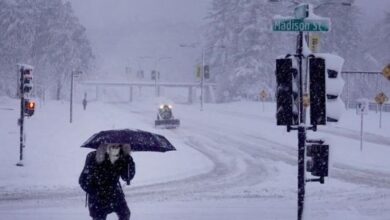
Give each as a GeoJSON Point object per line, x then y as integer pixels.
{"type": "Point", "coordinates": [302, 11]}
{"type": "Point", "coordinates": [362, 106]}
{"type": "Point", "coordinates": [296, 25]}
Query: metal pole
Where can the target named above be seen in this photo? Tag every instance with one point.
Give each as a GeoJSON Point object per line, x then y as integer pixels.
{"type": "Point", "coordinates": [301, 133]}
{"type": "Point", "coordinates": [347, 91]}
{"type": "Point", "coordinates": [262, 101]}
{"type": "Point", "coordinates": [159, 86]}
{"type": "Point", "coordinates": [380, 115]}
{"type": "Point", "coordinates": [361, 131]}
{"type": "Point", "coordinates": [201, 81]}
{"type": "Point", "coordinates": [155, 83]}
{"type": "Point", "coordinates": [71, 97]}
{"type": "Point", "coordinates": [131, 93]}
{"type": "Point", "coordinates": [301, 169]}
{"type": "Point", "coordinates": [21, 120]}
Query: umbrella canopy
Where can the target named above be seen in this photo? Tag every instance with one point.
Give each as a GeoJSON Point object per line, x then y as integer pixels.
{"type": "Point", "coordinates": [138, 140]}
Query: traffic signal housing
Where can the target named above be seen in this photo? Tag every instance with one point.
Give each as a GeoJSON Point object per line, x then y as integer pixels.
{"type": "Point", "coordinates": [318, 162]}
{"type": "Point", "coordinates": [317, 84]}
{"type": "Point", "coordinates": [198, 71]}
{"type": "Point", "coordinates": [154, 75]}
{"type": "Point", "coordinates": [207, 72]}
{"type": "Point", "coordinates": [27, 79]}
{"type": "Point", "coordinates": [29, 107]}
{"type": "Point", "coordinates": [286, 93]}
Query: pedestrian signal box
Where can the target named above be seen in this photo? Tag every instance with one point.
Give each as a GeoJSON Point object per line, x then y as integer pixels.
{"type": "Point", "coordinates": [29, 107]}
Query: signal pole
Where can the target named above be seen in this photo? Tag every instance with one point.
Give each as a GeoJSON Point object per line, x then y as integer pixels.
{"type": "Point", "coordinates": [301, 131]}
{"type": "Point", "coordinates": [25, 87]}
{"type": "Point", "coordinates": [21, 119]}
{"type": "Point", "coordinates": [301, 14]}
{"type": "Point", "coordinates": [201, 81]}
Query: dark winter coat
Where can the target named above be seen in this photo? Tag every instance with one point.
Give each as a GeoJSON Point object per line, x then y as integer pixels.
{"type": "Point", "coordinates": [101, 182]}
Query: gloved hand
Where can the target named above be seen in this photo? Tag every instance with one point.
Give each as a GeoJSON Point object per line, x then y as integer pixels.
{"type": "Point", "coordinates": [126, 148]}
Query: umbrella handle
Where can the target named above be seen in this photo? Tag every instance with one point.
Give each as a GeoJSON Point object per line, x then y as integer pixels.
{"type": "Point", "coordinates": [128, 174]}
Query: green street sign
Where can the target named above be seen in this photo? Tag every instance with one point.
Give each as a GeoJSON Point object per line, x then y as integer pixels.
{"type": "Point", "coordinates": [295, 25]}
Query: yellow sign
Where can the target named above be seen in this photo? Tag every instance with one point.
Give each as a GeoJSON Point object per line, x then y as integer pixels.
{"type": "Point", "coordinates": [198, 71]}
{"type": "Point", "coordinates": [314, 43]}
{"type": "Point", "coordinates": [381, 98]}
{"type": "Point", "coordinates": [263, 95]}
{"type": "Point", "coordinates": [386, 71]}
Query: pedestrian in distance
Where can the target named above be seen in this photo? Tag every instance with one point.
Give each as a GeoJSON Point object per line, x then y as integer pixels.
{"type": "Point", "coordinates": [85, 104]}
{"type": "Point", "coordinates": [100, 180]}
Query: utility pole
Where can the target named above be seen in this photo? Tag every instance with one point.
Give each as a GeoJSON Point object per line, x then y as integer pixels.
{"type": "Point", "coordinates": [202, 81]}
{"type": "Point", "coordinates": [73, 74]}
{"type": "Point", "coordinates": [202, 68]}
{"type": "Point", "coordinates": [21, 119]}
{"type": "Point", "coordinates": [301, 131]}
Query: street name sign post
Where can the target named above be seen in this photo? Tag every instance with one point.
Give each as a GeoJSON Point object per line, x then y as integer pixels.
{"type": "Point", "coordinates": [302, 21]}
{"type": "Point", "coordinates": [380, 99]}
{"type": "Point", "coordinates": [362, 108]}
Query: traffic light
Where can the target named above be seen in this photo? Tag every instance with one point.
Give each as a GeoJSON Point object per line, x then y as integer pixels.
{"type": "Point", "coordinates": [27, 80]}
{"type": "Point", "coordinates": [206, 72]}
{"type": "Point", "coordinates": [29, 107]}
{"type": "Point", "coordinates": [317, 85]}
{"type": "Point", "coordinates": [140, 74]}
{"type": "Point", "coordinates": [198, 71]}
{"type": "Point", "coordinates": [318, 163]}
{"type": "Point", "coordinates": [286, 93]}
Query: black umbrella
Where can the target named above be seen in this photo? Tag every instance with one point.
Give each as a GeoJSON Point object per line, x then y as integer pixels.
{"type": "Point", "coordinates": [138, 140]}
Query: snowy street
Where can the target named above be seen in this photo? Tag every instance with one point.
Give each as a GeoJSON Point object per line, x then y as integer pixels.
{"type": "Point", "coordinates": [232, 162]}
{"type": "Point", "coordinates": [195, 110]}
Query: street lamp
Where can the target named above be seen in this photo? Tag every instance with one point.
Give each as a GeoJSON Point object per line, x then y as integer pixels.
{"type": "Point", "coordinates": [194, 45]}
{"type": "Point", "coordinates": [157, 73]}
{"type": "Point", "coordinates": [75, 73]}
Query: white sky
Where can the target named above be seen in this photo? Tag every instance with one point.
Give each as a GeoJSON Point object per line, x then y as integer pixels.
{"type": "Point", "coordinates": [122, 30]}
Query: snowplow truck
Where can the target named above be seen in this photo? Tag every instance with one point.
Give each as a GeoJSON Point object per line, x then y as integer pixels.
{"type": "Point", "coordinates": [165, 118]}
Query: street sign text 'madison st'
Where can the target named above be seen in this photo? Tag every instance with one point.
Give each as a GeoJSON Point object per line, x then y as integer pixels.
{"type": "Point", "coordinates": [305, 25]}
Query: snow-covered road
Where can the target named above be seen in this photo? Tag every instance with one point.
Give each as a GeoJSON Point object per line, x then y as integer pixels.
{"type": "Point", "coordinates": [243, 167]}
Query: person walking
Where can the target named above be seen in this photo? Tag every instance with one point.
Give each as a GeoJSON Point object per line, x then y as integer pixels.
{"type": "Point", "coordinates": [85, 102]}
{"type": "Point", "coordinates": [100, 180]}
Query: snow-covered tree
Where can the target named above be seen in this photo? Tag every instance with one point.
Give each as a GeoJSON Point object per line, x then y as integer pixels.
{"type": "Point", "coordinates": [246, 64]}
{"type": "Point", "coordinates": [345, 37]}
{"type": "Point", "coordinates": [45, 34]}
{"type": "Point", "coordinates": [251, 46]}
{"type": "Point", "coordinates": [379, 43]}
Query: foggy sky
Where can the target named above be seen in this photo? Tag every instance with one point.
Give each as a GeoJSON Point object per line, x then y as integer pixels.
{"type": "Point", "coordinates": [123, 30]}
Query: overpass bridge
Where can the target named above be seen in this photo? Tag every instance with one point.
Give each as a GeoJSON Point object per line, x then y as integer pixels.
{"type": "Point", "coordinates": [191, 86]}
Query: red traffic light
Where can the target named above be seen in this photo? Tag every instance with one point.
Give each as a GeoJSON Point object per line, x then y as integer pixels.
{"type": "Point", "coordinates": [29, 107]}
